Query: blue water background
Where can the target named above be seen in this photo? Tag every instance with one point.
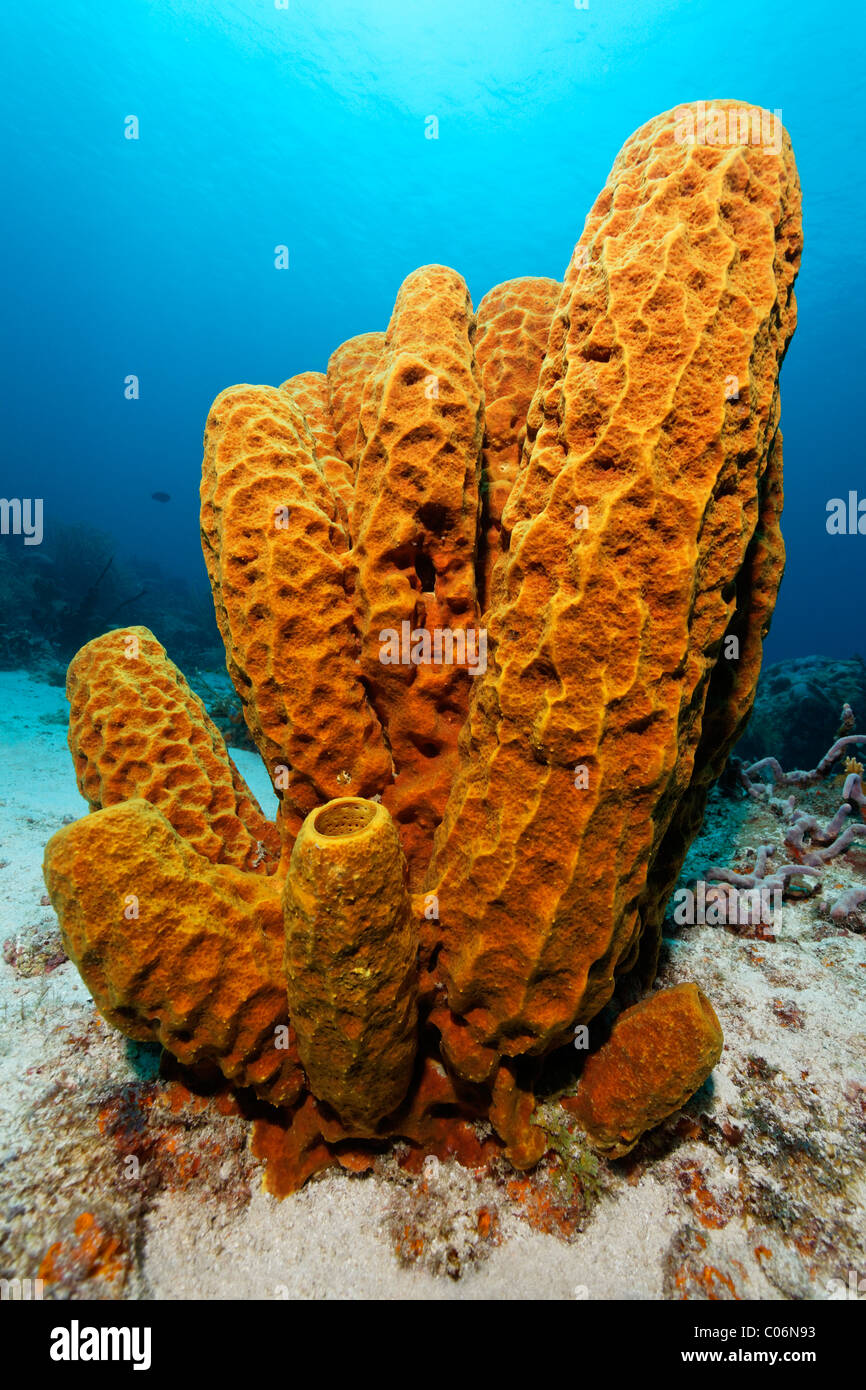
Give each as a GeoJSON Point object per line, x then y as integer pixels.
{"type": "Point", "coordinates": [305, 126]}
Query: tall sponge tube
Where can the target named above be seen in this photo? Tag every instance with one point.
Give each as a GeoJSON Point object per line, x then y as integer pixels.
{"type": "Point", "coordinates": [351, 960]}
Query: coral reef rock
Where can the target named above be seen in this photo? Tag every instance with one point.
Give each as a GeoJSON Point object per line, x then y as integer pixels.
{"type": "Point", "coordinates": [493, 591]}
{"type": "Point", "coordinates": [796, 714]}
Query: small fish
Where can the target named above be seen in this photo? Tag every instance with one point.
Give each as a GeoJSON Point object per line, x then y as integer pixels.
{"type": "Point", "coordinates": [161, 496]}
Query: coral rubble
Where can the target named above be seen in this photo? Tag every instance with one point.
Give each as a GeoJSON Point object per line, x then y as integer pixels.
{"type": "Point", "coordinates": [492, 592]}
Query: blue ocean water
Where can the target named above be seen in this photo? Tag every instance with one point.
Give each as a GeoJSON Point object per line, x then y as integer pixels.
{"type": "Point", "coordinates": [304, 124]}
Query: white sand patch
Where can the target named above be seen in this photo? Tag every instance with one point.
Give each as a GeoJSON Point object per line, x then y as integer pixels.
{"type": "Point", "coordinates": [331, 1241]}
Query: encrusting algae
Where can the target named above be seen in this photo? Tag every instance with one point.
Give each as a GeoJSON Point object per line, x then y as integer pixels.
{"type": "Point", "coordinates": [469, 853]}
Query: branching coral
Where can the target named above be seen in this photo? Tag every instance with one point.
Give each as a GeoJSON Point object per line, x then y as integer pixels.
{"type": "Point", "coordinates": [811, 845]}
{"type": "Point", "coordinates": [777, 878]}
{"type": "Point", "coordinates": [493, 592]}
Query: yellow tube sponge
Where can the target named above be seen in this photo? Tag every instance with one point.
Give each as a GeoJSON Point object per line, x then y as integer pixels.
{"type": "Point", "coordinates": [273, 544]}
{"type": "Point", "coordinates": [175, 949]}
{"type": "Point", "coordinates": [137, 730]}
{"type": "Point", "coordinates": [351, 953]}
{"type": "Point", "coordinates": [630, 534]}
{"type": "Point", "coordinates": [414, 526]}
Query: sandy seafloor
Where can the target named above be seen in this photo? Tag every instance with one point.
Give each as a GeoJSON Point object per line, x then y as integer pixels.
{"type": "Point", "coordinates": [116, 1182]}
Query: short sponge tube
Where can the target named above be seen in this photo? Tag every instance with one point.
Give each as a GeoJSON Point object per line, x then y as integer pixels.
{"type": "Point", "coordinates": [351, 960]}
